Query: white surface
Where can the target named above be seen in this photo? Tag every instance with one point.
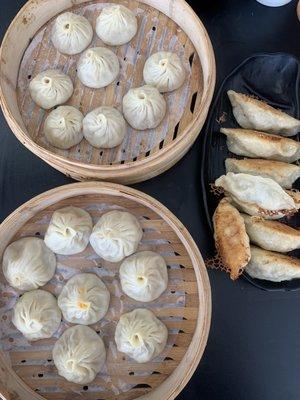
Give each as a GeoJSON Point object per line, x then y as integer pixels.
{"type": "Point", "coordinates": [274, 3]}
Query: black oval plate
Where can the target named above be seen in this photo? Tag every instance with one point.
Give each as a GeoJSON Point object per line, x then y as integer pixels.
{"type": "Point", "coordinates": [274, 78]}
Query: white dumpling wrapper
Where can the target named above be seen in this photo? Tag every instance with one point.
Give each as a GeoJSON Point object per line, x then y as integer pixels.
{"type": "Point", "coordinates": [116, 25]}
{"type": "Point", "coordinates": [84, 299]}
{"type": "Point", "coordinates": [98, 67]}
{"type": "Point", "coordinates": [79, 354]}
{"type": "Point", "coordinates": [71, 33]}
{"type": "Point", "coordinates": [141, 335]}
{"type": "Point", "coordinates": [256, 195]}
{"type": "Point", "coordinates": [28, 263]}
{"type": "Point", "coordinates": [51, 88]}
{"type": "Point", "coordinates": [144, 107]}
{"type": "Point", "coordinates": [271, 266]}
{"type": "Point", "coordinates": [144, 276]}
{"type": "Point", "coordinates": [165, 71]}
{"type": "Point", "coordinates": [104, 127]}
{"type": "Point", "coordinates": [116, 235]}
{"type": "Point", "coordinates": [251, 113]}
{"type": "Point", "coordinates": [69, 231]}
{"type": "Point", "coordinates": [36, 315]}
{"type": "Point", "coordinates": [63, 127]}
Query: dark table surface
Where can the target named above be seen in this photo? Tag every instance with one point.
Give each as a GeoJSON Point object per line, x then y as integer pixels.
{"type": "Point", "coordinates": [253, 351]}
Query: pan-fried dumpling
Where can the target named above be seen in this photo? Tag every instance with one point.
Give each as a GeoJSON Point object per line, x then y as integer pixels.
{"type": "Point", "coordinates": [282, 173]}
{"type": "Point", "coordinates": [232, 242]}
{"type": "Point", "coordinates": [165, 71]}
{"type": "Point", "coordinates": [79, 354]}
{"type": "Point", "coordinates": [63, 127]}
{"type": "Point", "coordinates": [36, 315]}
{"type": "Point", "coordinates": [271, 266]}
{"type": "Point", "coordinates": [261, 145]}
{"type": "Point", "coordinates": [144, 276]}
{"type": "Point", "coordinates": [144, 107]}
{"type": "Point", "coordinates": [257, 196]}
{"type": "Point", "coordinates": [116, 235]}
{"type": "Point", "coordinates": [84, 299]}
{"type": "Point", "coordinates": [104, 127]}
{"type": "Point", "coordinates": [71, 33]}
{"type": "Point", "coordinates": [141, 335]}
{"type": "Point", "coordinates": [51, 88]}
{"type": "Point", "coordinates": [272, 235]}
{"type": "Point", "coordinates": [69, 231]}
{"type": "Point", "coordinates": [28, 263]}
{"type": "Point", "coordinates": [116, 25]}
{"type": "Point", "coordinates": [255, 114]}
{"type": "Point", "coordinates": [98, 67]}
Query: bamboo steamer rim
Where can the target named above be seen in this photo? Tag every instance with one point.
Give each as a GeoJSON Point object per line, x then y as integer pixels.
{"type": "Point", "coordinates": [166, 156]}
{"type": "Point", "coordinates": [178, 379]}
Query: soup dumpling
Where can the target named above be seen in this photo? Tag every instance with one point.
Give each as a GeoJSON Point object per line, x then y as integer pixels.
{"type": "Point", "coordinates": [104, 127]}
{"type": "Point", "coordinates": [36, 315]}
{"type": "Point", "coordinates": [144, 107]}
{"type": "Point", "coordinates": [144, 276]}
{"type": "Point", "coordinates": [141, 335]}
{"type": "Point", "coordinates": [84, 299]}
{"type": "Point", "coordinates": [71, 33]}
{"type": "Point", "coordinates": [63, 127]}
{"type": "Point", "coordinates": [79, 354]}
{"type": "Point", "coordinates": [98, 67]}
{"type": "Point", "coordinates": [51, 88]}
{"type": "Point", "coordinates": [116, 25]}
{"type": "Point", "coordinates": [28, 263]}
{"type": "Point", "coordinates": [165, 71]}
{"type": "Point", "coordinates": [116, 235]}
{"type": "Point", "coordinates": [69, 231]}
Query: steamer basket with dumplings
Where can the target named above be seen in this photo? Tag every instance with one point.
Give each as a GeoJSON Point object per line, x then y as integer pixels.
{"type": "Point", "coordinates": [166, 25]}
{"type": "Point", "coordinates": [27, 370]}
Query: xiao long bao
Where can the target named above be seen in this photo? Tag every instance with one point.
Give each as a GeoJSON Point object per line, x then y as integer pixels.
{"type": "Point", "coordinates": [84, 299]}
{"type": "Point", "coordinates": [51, 88]}
{"type": "Point", "coordinates": [116, 25]}
{"type": "Point", "coordinates": [79, 354]}
{"type": "Point", "coordinates": [69, 231]}
{"type": "Point", "coordinates": [71, 33]}
{"type": "Point", "coordinates": [63, 127]}
{"type": "Point", "coordinates": [36, 315]}
{"type": "Point", "coordinates": [116, 235]}
{"type": "Point", "coordinates": [28, 263]}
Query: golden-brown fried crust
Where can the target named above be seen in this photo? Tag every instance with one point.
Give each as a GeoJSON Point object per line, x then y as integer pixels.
{"type": "Point", "coordinates": [276, 226]}
{"type": "Point", "coordinates": [231, 239]}
{"type": "Point", "coordinates": [261, 135]}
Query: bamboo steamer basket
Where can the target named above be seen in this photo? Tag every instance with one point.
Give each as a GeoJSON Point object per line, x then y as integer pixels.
{"type": "Point", "coordinates": [27, 371]}
{"type": "Point", "coordinates": [163, 25]}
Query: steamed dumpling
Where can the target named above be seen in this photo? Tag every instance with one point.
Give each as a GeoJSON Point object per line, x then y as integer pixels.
{"type": "Point", "coordinates": [116, 25]}
{"type": "Point", "coordinates": [79, 354]}
{"type": "Point", "coordinates": [255, 114]}
{"type": "Point", "coordinates": [257, 196]}
{"type": "Point", "coordinates": [232, 242]}
{"type": "Point", "coordinates": [98, 67]}
{"type": "Point", "coordinates": [272, 235]}
{"type": "Point", "coordinates": [116, 235]}
{"type": "Point", "coordinates": [69, 231]}
{"type": "Point", "coordinates": [261, 145]}
{"type": "Point", "coordinates": [165, 71]}
{"type": "Point", "coordinates": [144, 276]}
{"type": "Point", "coordinates": [36, 315]}
{"type": "Point", "coordinates": [141, 335]}
{"type": "Point", "coordinates": [104, 127]}
{"type": "Point", "coordinates": [84, 299]}
{"type": "Point", "coordinates": [71, 33]}
{"type": "Point", "coordinates": [51, 88]}
{"type": "Point", "coordinates": [271, 266]}
{"type": "Point", "coordinates": [63, 127]}
{"type": "Point", "coordinates": [144, 107]}
{"type": "Point", "coordinates": [282, 173]}
{"type": "Point", "coordinates": [28, 263]}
